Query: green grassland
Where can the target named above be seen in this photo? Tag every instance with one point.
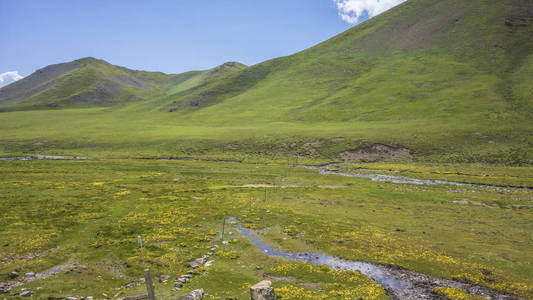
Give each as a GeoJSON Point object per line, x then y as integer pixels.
{"type": "Point", "coordinates": [89, 213]}
{"type": "Point", "coordinates": [448, 80]}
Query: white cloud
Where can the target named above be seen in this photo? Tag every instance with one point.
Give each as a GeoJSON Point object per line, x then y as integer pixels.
{"type": "Point", "coordinates": [351, 11]}
{"type": "Point", "coordinates": [9, 77]}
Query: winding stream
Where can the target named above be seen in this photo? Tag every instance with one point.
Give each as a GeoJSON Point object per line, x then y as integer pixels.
{"type": "Point", "coordinates": [399, 283]}
{"type": "Point", "coordinates": [401, 179]}
{"type": "Point", "coordinates": [38, 156]}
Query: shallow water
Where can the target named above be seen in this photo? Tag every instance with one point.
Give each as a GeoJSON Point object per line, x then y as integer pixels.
{"type": "Point", "coordinates": [34, 157]}
{"type": "Point", "coordinates": [399, 283]}
{"type": "Point", "coordinates": [403, 179]}
{"type": "Point", "coordinates": [378, 273]}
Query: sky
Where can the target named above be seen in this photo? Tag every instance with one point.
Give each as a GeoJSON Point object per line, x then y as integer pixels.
{"type": "Point", "coordinates": [170, 36]}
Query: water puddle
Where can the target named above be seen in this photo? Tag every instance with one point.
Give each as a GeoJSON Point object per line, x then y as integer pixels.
{"type": "Point", "coordinates": [399, 283]}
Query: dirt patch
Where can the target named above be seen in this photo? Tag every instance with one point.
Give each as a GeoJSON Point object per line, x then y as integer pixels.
{"type": "Point", "coordinates": [376, 152]}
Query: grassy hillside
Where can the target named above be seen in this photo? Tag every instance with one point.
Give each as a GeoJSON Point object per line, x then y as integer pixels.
{"type": "Point", "coordinates": [449, 80]}
{"type": "Point", "coordinates": [89, 82]}
{"type": "Point", "coordinates": [423, 60]}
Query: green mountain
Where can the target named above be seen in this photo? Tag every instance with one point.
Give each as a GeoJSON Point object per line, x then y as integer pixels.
{"type": "Point", "coordinates": [451, 78]}
{"type": "Point", "coordinates": [90, 82]}
{"type": "Point", "coordinates": [422, 60]}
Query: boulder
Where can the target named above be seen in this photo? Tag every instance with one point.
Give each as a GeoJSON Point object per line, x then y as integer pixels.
{"type": "Point", "coordinates": [263, 291]}
{"type": "Point", "coordinates": [13, 275]}
{"type": "Point", "coordinates": [194, 295]}
{"type": "Point", "coordinates": [26, 293]}
{"type": "Point", "coordinates": [163, 278]}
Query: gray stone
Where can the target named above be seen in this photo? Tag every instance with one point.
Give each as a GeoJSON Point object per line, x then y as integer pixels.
{"type": "Point", "coordinates": [13, 275]}
{"type": "Point", "coordinates": [209, 263]}
{"type": "Point", "coordinates": [182, 280]}
{"type": "Point", "coordinates": [194, 295]}
{"type": "Point", "coordinates": [30, 274]}
{"type": "Point", "coordinates": [163, 278]}
{"type": "Point", "coordinates": [26, 293]}
{"type": "Point", "coordinates": [195, 263]}
{"type": "Point", "coordinates": [71, 298]}
{"type": "Point", "coordinates": [263, 291]}
{"type": "Point", "coordinates": [138, 297]}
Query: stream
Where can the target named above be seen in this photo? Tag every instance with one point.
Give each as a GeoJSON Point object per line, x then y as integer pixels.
{"type": "Point", "coordinates": [401, 179]}
{"type": "Point", "coordinates": [38, 156]}
{"type": "Point", "coordinates": [399, 283]}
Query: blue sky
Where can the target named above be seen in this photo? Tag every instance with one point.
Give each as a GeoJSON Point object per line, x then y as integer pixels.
{"type": "Point", "coordinates": [169, 36]}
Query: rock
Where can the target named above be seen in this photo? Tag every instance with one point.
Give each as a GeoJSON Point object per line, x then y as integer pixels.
{"type": "Point", "coordinates": [209, 263]}
{"type": "Point", "coordinates": [71, 298]}
{"type": "Point", "coordinates": [13, 275]}
{"type": "Point", "coordinates": [263, 291]}
{"type": "Point", "coordinates": [195, 263]}
{"type": "Point", "coordinates": [26, 293]}
{"type": "Point", "coordinates": [89, 298]}
{"type": "Point", "coordinates": [163, 278]}
{"type": "Point", "coordinates": [138, 297]}
{"type": "Point", "coordinates": [30, 274]}
{"type": "Point", "coordinates": [187, 276]}
{"type": "Point", "coordinates": [194, 295]}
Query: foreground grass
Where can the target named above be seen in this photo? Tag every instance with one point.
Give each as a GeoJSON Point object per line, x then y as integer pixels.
{"type": "Point", "coordinates": [89, 213]}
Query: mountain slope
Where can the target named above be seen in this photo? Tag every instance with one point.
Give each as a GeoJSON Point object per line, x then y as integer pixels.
{"type": "Point", "coordinates": [448, 79]}
{"type": "Point", "coordinates": [90, 82]}
{"type": "Point", "coordinates": [423, 59]}
{"type": "Point", "coordinates": [85, 82]}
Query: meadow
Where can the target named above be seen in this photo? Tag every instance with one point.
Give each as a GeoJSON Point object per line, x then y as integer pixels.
{"type": "Point", "coordinates": [86, 215]}
{"type": "Point", "coordinates": [171, 156]}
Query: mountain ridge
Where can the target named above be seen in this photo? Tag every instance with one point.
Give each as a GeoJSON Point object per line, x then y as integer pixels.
{"type": "Point", "coordinates": [90, 82]}
{"type": "Point", "coordinates": [445, 78]}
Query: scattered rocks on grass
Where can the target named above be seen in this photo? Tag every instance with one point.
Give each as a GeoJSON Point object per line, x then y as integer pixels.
{"type": "Point", "coordinates": [26, 293]}
{"type": "Point", "coordinates": [263, 291]}
{"type": "Point", "coordinates": [181, 280]}
{"type": "Point", "coordinates": [163, 278]}
{"type": "Point", "coordinates": [194, 295]}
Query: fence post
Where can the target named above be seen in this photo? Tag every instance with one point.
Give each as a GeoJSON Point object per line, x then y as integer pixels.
{"type": "Point", "coordinates": [223, 225]}
{"type": "Point", "coordinates": [140, 241]}
{"type": "Point", "coordinates": [149, 284]}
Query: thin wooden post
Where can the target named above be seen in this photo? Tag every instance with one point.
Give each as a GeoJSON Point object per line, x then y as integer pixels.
{"type": "Point", "coordinates": [149, 284]}
{"type": "Point", "coordinates": [140, 241]}
{"type": "Point", "coordinates": [223, 225]}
